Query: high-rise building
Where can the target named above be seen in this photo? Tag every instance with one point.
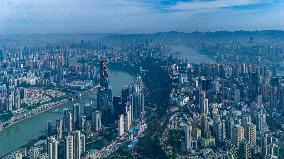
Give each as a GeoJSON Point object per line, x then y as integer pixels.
{"type": "Point", "coordinates": [104, 95]}
{"type": "Point", "coordinates": [96, 120]}
{"type": "Point", "coordinates": [250, 133]}
{"type": "Point", "coordinates": [244, 150]}
{"type": "Point", "coordinates": [220, 130]}
{"type": "Point", "coordinates": [229, 127]}
{"type": "Point", "coordinates": [76, 116]}
{"type": "Point", "coordinates": [237, 135]}
{"type": "Point", "coordinates": [261, 124]}
{"type": "Point", "coordinates": [204, 106]}
{"type": "Point", "coordinates": [59, 129]}
{"type": "Point", "coordinates": [204, 126]}
{"type": "Point", "coordinates": [88, 110]}
{"type": "Point", "coordinates": [104, 81]}
{"type": "Point", "coordinates": [65, 119]}
{"type": "Point", "coordinates": [128, 120]}
{"type": "Point", "coordinates": [69, 121]}
{"type": "Point", "coordinates": [191, 144]}
{"type": "Point", "coordinates": [77, 144]}
{"type": "Point", "coordinates": [118, 107]}
{"type": "Point", "coordinates": [49, 129]}
{"type": "Point", "coordinates": [202, 96]}
{"type": "Point", "coordinates": [69, 147]}
{"type": "Point", "coordinates": [124, 95]}
{"type": "Point", "coordinates": [138, 105]}
{"type": "Point", "coordinates": [121, 125]}
{"type": "Point", "coordinates": [82, 123]}
{"type": "Point", "coordinates": [52, 148]}
{"type": "Point", "coordinates": [264, 145]}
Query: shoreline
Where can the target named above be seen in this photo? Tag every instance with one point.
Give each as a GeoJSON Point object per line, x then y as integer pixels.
{"type": "Point", "coordinates": [43, 108]}
{"type": "Point", "coordinates": [61, 102]}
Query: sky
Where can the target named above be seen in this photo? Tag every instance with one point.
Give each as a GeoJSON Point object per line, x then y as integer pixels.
{"type": "Point", "coordinates": [138, 16]}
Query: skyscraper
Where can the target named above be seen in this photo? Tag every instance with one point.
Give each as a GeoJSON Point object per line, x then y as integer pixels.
{"type": "Point", "coordinates": [79, 144]}
{"type": "Point", "coordinates": [244, 150]}
{"type": "Point", "coordinates": [204, 126]}
{"type": "Point", "coordinates": [104, 81]}
{"type": "Point", "coordinates": [121, 125]}
{"type": "Point", "coordinates": [204, 106]}
{"type": "Point", "coordinates": [250, 133]}
{"type": "Point", "coordinates": [76, 116]}
{"type": "Point", "coordinates": [69, 147]}
{"type": "Point", "coordinates": [52, 148]}
{"type": "Point", "coordinates": [104, 95]}
{"type": "Point", "coordinates": [188, 130]}
{"type": "Point", "coordinates": [96, 120]}
{"type": "Point", "coordinates": [118, 107]}
{"type": "Point", "coordinates": [49, 129]}
{"type": "Point", "coordinates": [237, 135]}
{"type": "Point", "coordinates": [59, 129]}
{"type": "Point", "coordinates": [69, 122]}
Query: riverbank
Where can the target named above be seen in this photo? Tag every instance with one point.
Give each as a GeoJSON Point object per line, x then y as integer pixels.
{"type": "Point", "coordinates": [41, 109]}
{"type": "Point", "coordinates": [35, 112]}
{"type": "Point", "coordinates": [26, 131]}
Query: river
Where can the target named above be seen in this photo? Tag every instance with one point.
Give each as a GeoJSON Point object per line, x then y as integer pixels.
{"type": "Point", "coordinates": [32, 128]}
{"type": "Point", "coordinates": [182, 51]}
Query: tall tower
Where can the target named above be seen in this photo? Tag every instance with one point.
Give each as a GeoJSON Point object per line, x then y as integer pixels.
{"type": "Point", "coordinates": [104, 95]}
{"type": "Point", "coordinates": [104, 74]}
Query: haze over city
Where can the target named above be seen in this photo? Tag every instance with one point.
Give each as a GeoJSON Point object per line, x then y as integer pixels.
{"type": "Point", "coordinates": [141, 79]}
{"type": "Point", "coordinates": [138, 16]}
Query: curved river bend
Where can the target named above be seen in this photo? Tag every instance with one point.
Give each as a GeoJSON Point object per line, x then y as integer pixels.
{"type": "Point", "coordinates": [29, 129]}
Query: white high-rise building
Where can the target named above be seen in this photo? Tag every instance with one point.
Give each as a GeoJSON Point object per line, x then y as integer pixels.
{"type": "Point", "coordinates": [52, 148]}
{"type": "Point", "coordinates": [69, 147]}
{"type": "Point", "coordinates": [121, 125]}
{"type": "Point", "coordinates": [127, 121]}
{"type": "Point", "coordinates": [79, 144]}
{"type": "Point", "coordinates": [97, 120]}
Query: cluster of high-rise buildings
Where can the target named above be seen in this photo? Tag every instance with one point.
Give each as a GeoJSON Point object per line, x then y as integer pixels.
{"type": "Point", "coordinates": [37, 67]}
{"type": "Point", "coordinates": [224, 109]}
{"type": "Point", "coordinates": [125, 109]}
{"type": "Point", "coordinates": [67, 139]}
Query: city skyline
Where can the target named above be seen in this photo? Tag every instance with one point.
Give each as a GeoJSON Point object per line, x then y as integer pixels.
{"type": "Point", "coordinates": [139, 16]}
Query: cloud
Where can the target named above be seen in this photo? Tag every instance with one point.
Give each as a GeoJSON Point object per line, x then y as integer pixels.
{"type": "Point", "coordinates": [212, 4]}
{"type": "Point", "coordinates": [137, 16]}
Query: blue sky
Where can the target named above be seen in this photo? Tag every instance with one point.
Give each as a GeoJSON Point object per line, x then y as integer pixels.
{"type": "Point", "coordinates": [138, 16]}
